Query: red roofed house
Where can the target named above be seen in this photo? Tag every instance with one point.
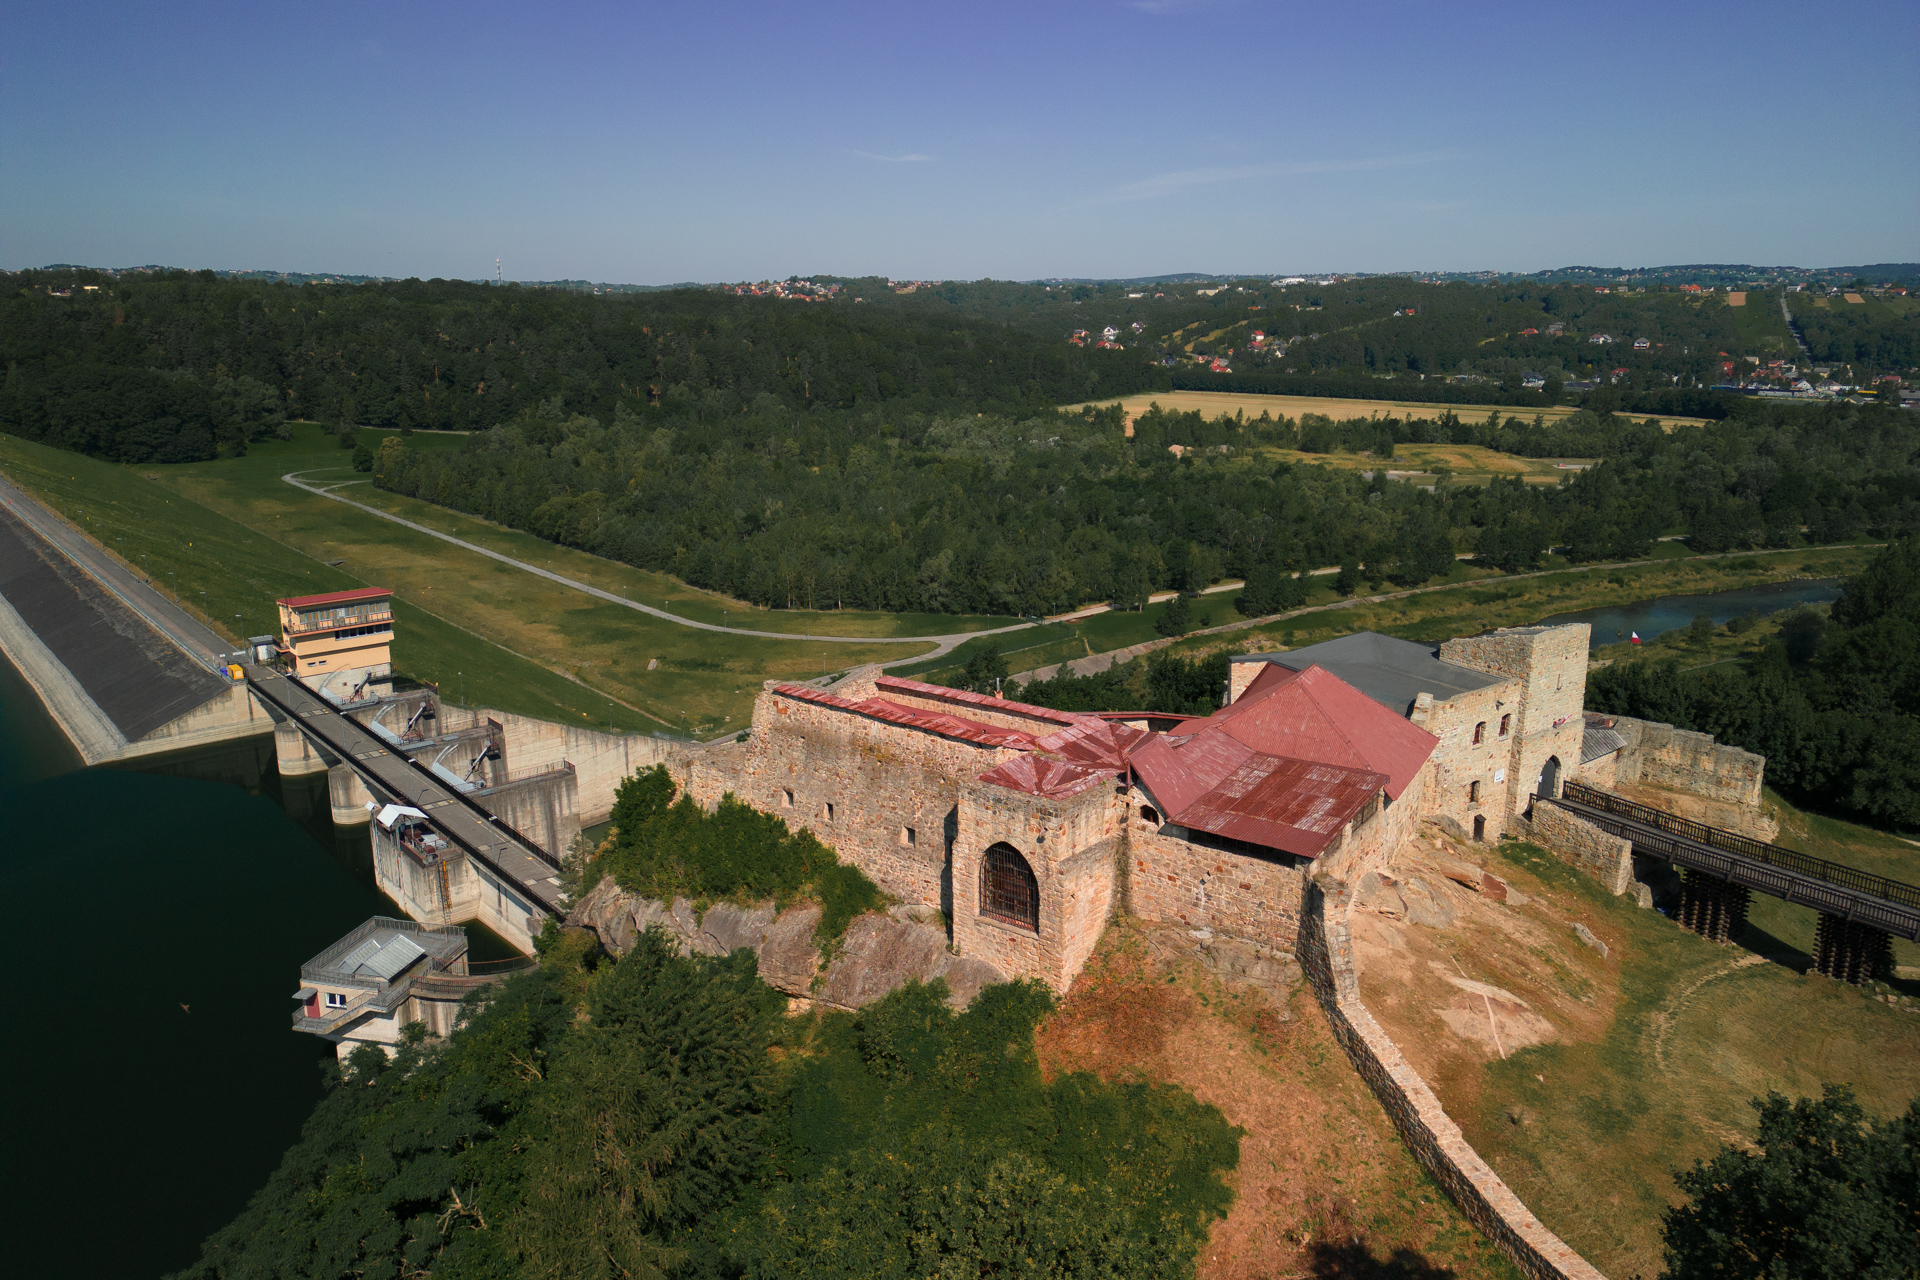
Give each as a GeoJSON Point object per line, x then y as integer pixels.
{"type": "Point", "coordinates": [1029, 828]}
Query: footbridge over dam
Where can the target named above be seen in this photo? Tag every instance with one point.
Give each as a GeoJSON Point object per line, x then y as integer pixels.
{"type": "Point", "coordinates": [1860, 913]}
{"type": "Point", "coordinates": [467, 863]}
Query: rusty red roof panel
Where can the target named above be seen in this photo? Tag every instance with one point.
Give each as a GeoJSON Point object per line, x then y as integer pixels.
{"type": "Point", "coordinates": [1315, 715]}
{"type": "Point", "coordinates": [973, 731]}
{"type": "Point", "coordinates": [1040, 776]}
{"type": "Point", "coordinates": [1178, 771]}
{"type": "Point", "coordinates": [984, 701]}
{"type": "Point", "coordinates": [337, 597]}
{"type": "Point", "coordinates": [1296, 806]}
{"type": "Point", "coordinates": [1094, 741]}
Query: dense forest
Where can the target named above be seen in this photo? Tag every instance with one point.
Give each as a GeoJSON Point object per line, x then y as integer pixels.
{"type": "Point", "coordinates": [1834, 704]}
{"type": "Point", "coordinates": [176, 366]}
{"type": "Point", "coordinates": [661, 1116]}
{"type": "Point", "coordinates": [993, 514]}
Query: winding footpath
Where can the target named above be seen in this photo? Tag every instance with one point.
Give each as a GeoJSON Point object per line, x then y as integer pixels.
{"type": "Point", "coordinates": [945, 644]}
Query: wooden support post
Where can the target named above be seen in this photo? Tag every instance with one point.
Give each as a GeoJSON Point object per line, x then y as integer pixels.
{"type": "Point", "coordinates": [1851, 952]}
{"type": "Point", "coordinates": [1712, 907]}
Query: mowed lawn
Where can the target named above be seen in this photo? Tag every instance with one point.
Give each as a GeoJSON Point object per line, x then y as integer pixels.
{"type": "Point", "coordinates": [489, 632]}
{"type": "Point", "coordinates": [1215, 403]}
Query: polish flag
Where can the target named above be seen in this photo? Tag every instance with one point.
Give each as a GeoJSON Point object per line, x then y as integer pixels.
{"type": "Point", "coordinates": [1636, 637]}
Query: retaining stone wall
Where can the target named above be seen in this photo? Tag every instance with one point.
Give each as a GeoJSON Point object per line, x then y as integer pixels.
{"type": "Point", "coordinates": [601, 761]}
{"type": "Point", "coordinates": [1326, 955]}
{"type": "Point", "coordinates": [1686, 761]}
{"type": "Point", "coordinates": [1579, 843]}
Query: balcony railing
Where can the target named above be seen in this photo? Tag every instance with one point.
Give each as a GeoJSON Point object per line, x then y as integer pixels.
{"type": "Point", "coordinates": [301, 627]}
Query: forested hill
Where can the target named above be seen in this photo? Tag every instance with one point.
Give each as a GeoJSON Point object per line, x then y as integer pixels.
{"type": "Point", "coordinates": [970, 513]}
{"type": "Point", "coordinates": [176, 366]}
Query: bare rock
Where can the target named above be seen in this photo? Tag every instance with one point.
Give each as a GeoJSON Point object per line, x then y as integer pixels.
{"type": "Point", "coordinates": [1238, 960]}
{"type": "Point", "coordinates": [1586, 935]}
{"type": "Point", "coordinates": [728, 927]}
{"type": "Point", "coordinates": [1492, 886]}
{"type": "Point", "coordinates": [1377, 893]}
{"type": "Point", "coordinates": [1425, 906]}
{"type": "Point", "coordinates": [880, 955]}
{"type": "Point", "coordinates": [1452, 827]}
{"type": "Point", "coordinates": [1642, 893]}
{"type": "Point", "coordinates": [788, 958]}
{"type": "Point", "coordinates": [1464, 874]}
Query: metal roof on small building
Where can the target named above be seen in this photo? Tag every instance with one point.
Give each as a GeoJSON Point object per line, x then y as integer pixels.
{"type": "Point", "coordinates": [1390, 671]}
{"type": "Point", "coordinates": [1040, 776]}
{"type": "Point", "coordinates": [337, 597]}
{"type": "Point", "coordinates": [948, 726]}
{"type": "Point", "coordinates": [1315, 715]}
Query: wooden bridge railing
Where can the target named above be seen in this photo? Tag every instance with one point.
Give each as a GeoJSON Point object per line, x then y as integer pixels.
{"type": "Point", "coordinates": [1773, 855]}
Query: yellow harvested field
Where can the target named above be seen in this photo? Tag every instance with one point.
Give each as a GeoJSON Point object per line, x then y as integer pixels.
{"type": "Point", "coordinates": [1736, 299]}
{"type": "Point", "coordinates": [1215, 403]}
{"type": "Point", "coordinates": [1465, 463]}
{"type": "Point", "coordinates": [1853, 297]}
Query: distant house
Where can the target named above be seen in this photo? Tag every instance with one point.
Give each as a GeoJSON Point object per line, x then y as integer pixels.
{"type": "Point", "coordinates": [1532, 381]}
{"type": "Point", "coordinates": [1689, 288]}
{"type": "Point", "coordinates": [1641, 344]}
{"type": "Point", "coordinates": [1139, 327]}
{"type": "Point", "coordinates": [1556, 328]}
{"type": "Point", "coordinates": [1109, 333]}
{"type": "Point", "coordinates": [1600, 288]}
{"type": "Point", "coordinates": [1600, 339]}
{"type": "Point", "coordinates": [1529, 333]}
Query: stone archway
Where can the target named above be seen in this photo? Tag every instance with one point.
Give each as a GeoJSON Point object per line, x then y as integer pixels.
{"type": "Point", "coordinates": [1009, 891]}
{"type": "Point", "coordinates": [1549, 784]}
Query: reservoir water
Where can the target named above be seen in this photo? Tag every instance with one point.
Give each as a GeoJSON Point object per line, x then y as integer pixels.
{"type": "Point", "coordinates": [1650, 618]}
{"type": "Point", "coordinates": [158, 918]}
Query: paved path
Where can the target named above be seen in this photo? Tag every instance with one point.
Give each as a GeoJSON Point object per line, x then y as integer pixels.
{"type": "Point", "coordinates": [944, 644]}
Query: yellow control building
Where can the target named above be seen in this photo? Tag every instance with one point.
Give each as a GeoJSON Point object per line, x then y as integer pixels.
{"type": "Point", "coordinates": [336, 642]}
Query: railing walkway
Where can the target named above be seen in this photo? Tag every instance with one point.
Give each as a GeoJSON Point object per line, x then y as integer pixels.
{"type": "Point", "coordinates": [522, 865]}
{"type": "Point", "coordinates": [1847, 893]}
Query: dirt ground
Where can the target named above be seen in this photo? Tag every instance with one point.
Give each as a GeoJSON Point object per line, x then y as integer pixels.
{"type": "Point", "coordinates": [1324, 1187]}
{"type": "Point", "coordinates": [1585, 1075]}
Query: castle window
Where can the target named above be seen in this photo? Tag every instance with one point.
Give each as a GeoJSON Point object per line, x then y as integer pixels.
{"type": "Point", "coordinates": [1480, 828]}
{"type": "Point", "coordinates": [1473, 793]}
{"type": "Point", "coordinates": [1149, 815]}
{"type": "Point", "coordinates": [786, 797]}
{"type": "Point", "coordinates": [908, 836]}
{"type": "Point", "coordinates": [1480, 733]}
{"type": "Point", "coordinates": [1008, 890]}
{"type": "Point", "coordinates": [829, 813]}
{"type": "Point", "coordinates": [1506, 721]}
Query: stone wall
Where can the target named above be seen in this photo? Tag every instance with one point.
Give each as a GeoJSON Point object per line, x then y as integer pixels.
{"type": "Point", "coordinates": [1072, 846]}
{"type": "Point", "coordinates": [1548, 666]}
{"type": "Point", "coordinates": [1607, 858]}
{"type": "Point", "coordinates": [1177, 882]}
{"type": "Point", "coordinates": [1435, 1140]}
{"type": "Point", "coordinates": [1459, 762]}
{"type": "Point", "coordinates": [883, 796]}
{"type": "Point", "coordinates": [1664, 756]}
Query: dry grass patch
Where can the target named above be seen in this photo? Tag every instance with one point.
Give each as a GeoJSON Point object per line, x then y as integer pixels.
{"type": "Point", "coordinates": [1215, 403]}
{"type": "Point", "coordinates": [1324, 1186]}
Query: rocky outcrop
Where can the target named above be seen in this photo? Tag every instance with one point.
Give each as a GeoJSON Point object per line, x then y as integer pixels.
{"type": "Point", "coordinates": [878, 953]}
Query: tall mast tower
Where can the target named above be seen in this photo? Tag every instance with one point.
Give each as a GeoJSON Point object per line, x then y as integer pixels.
{"type": "Point", "coordinates": [496, 271]}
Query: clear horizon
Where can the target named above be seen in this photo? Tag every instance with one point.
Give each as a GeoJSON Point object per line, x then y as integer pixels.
{"type": "Point", "coordinates": [744, 142]}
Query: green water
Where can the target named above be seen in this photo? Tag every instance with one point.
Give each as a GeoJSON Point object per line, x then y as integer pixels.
{"type": "Point", "coordinates": [156, 922]}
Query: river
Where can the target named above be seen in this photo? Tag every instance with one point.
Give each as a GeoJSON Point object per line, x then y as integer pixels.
{"type": "Point", "coordinates": [159, 918]}
{"type": "Point", "coordinates": [1650, 618]}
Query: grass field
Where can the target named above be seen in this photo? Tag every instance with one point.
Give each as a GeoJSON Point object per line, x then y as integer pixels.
{"type": "Point", "coordinates": [1215, 403]}
{"type": "Point", "coordinates": [1656, 1047]}
{"type": "Point", "coordinates": [1510, 602]}
{"type": "Point", "coordinates": [1462, 463]}
{"type": "Point", "coordinates": [483, 630]}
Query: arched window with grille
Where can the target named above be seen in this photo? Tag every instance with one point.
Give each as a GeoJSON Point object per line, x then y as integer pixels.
{"type": "Point", "coordinates": [1008, 890]}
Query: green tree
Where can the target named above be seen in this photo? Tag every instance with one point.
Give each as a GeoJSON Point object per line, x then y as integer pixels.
{"type": "Point", "coordinates": [1176, 619]}
{"type": "Point", "coordinates": [1825, 1194]}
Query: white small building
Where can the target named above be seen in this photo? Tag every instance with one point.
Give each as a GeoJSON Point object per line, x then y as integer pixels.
{"type": "Point", "coordinates": [384, 975]}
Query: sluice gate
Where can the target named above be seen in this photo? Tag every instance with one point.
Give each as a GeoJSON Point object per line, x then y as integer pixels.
{"type": "Point", "coordinates": [1860, 913]}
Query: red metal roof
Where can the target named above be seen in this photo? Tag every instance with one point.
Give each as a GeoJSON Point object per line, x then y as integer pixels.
{"type": "Point", "coordinates": [985, 735]}
{"type": "Point", "coordinates": [1211, 782]}
{"type": "Point", "coordinates": [1315, 715]}
{"type": "Point", "coordinates": [337, 597]}
{"type": "Point", "coordinates": [1094, 741]}
{"type": "Point", "coordinates": [985, 702]}
{"type": "Point", "coordinates": [1037, 775]}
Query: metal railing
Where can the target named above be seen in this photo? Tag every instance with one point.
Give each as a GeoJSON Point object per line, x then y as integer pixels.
{"type": "Point", "coordinates": [528, 774]}
{"type": "Point", "coordinates": [1773, 855]}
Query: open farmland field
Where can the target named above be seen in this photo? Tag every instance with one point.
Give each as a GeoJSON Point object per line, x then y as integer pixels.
{"type": "Point", "coordinates": [1215, 403]}
{"type": "Point", "coordinates": [1463, 463]}
{"type": "Point", "coordinates": [483, 630]}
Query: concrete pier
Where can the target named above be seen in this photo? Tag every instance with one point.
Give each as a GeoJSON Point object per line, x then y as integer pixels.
{"type": "Point", "coordinates": [296, 755]}
{"type": "Point", "coordinates": [348, 796]}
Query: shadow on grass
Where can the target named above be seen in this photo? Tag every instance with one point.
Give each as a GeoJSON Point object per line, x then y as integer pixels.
{"type": "Point", "coordinates": [1356, 1261]}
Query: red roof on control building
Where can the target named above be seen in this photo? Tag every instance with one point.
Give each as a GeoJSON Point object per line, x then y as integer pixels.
{"type": "Point", "coordinates": [337, 597]}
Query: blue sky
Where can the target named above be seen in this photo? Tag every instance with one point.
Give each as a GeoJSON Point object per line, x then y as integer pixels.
{"type": "Point", "coordinates": [720, 141]}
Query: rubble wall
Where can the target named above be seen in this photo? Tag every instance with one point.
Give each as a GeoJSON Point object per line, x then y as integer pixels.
{"type": "Point", "coordinates": [1607, 858]}
{"type": "Point", "coordinates": [1664, 756]}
